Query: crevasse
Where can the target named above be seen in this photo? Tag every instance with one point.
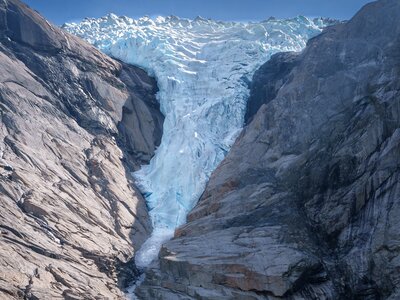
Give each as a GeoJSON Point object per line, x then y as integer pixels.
{"type": "Point", "coordinates": [202, 68]}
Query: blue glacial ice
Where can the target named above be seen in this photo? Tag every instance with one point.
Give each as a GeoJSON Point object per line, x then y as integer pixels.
{"type": "Point", "coordinates": [202, 68]}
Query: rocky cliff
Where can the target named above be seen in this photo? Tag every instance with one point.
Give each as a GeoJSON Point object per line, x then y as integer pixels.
{"type": "Point", "coordinates": [307, 203]}
{"type": "Point", "coordinates": [73, 124]}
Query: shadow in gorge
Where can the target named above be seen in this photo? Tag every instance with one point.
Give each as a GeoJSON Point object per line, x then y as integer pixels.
{"type": "Point", "coordinates": [141, 126]}
{"type": "Point", "coordinates": [140, 133]}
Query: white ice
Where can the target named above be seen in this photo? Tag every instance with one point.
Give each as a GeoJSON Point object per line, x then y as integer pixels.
{"type": "Point", "coordinates": [202, 68]}
{"type": "Point", "coordinates": [149, 250]}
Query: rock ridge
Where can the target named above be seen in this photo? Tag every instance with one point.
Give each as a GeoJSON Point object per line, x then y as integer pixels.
{"type": "Point", "coordinates": [73, 124]}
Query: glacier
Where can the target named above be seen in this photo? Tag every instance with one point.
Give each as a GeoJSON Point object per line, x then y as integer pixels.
{"type": "Point", "coordinates": [203, 68]}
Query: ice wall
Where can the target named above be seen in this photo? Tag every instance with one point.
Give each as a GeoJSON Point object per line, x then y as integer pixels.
{"type": "Point", "coordinates": [203, 68]}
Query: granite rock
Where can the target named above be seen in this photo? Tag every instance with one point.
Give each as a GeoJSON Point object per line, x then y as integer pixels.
{"type": "Point", "coordinates": [73, 124]}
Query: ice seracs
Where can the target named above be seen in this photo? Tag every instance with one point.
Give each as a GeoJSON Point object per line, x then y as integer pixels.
{"type": "Point", "coordinates": [203, 68]}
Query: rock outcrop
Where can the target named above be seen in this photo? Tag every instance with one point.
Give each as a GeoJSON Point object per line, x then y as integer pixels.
{"type": "Point", "coordinates": [73, 124]}
{"type": "Point", "coordinates": [307, 203]}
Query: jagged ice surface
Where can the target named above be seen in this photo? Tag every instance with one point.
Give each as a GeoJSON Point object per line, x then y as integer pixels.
{"type": "Point", "coordinates": [203, 68]}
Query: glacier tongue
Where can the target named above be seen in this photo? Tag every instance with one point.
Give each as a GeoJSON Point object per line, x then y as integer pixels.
{"type": "Point", "coordinates": [202, 68]}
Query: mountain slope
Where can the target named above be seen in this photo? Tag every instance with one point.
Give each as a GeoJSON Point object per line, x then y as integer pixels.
{"type": "Point", "coordinates": [307, 203]}
{"type": "Point", "coordinates": [74, 123]}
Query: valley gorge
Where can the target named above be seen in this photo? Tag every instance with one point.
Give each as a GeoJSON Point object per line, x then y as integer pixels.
{"type": "Point", "coordinates": [287, 186]}
{"type": "Point", "coordinates": [203, 68]}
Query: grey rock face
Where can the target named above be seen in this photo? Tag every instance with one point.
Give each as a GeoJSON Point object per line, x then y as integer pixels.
{"type": "Point", "coordinates": [268, 80]}
{"type": "Point", "coordinates": [73, 123]}
{"type": "Point", "coordinates": [307, 203]}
